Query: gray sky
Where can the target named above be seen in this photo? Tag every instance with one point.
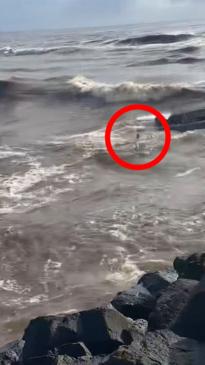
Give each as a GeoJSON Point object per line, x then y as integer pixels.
{"type": "Point", "coordinates": [44, 14]}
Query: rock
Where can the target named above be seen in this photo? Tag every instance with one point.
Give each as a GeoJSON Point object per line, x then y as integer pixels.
{"type": "Point", "coordinates": [64, 360]}
{"type": "Point", "coordinates": [123, 356]}
{"type": "Point", "coordinates": [191, 322]}
{"type": "Point", "coordinates": [11, 353]}
{"type": "Point", "coordinates": [50, 359]}
{"type": "Point", "coordinates": [135, 302]}
{"type": "Point", "coordinates": [199, 354]}
{"type": "Point", "coordinates": [157, 281]}
{"type": "Point", "coordinates": [190, 267]}
{"type": "Point", "coordinates": [74, 350]}
{"type": "Point", "coordinates": [102, 330]}
{"type": "Point", "coordinates": [140, 327]}
{"type": "Point", "coordinates": [164, 347]}
{"type": "Point", "coordinates": [183, 352]}
{"type": "Point", "coordinates": [158, 348]}
{"type": "Point", "coordinates": [171, 303]}
{"type": "Point", "coordinates": [139, 331]}
{"type": "Point", "coordinates": [47, 333]}
{"type": "Point", "coordinates": [138, 301]}
{"type": "Point", "coordinates": [188, 121]}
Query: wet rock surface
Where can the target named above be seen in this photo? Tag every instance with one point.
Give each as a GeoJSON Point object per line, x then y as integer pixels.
{"type": "Point", "coordinates": [171, 303]}
{"type": "Point", "coordinates": [186, 121]}
{"type": "Point", "coordinates": [191, 266]}
{"type": "Point", "coordinates": [159, 321]}
{"type": "Point", "coordinates": [191, 321]}
{"type": "Point", "coordinates": [11, 353]}
{"type": "Point", "coordinates": [138, 301]}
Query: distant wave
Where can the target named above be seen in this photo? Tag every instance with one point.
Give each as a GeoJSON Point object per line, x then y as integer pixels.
{"type": "Point", "coordinates": [188, 49]}
{"type": "Point", "coordinates": [167, 60]}
{"type": "Point", "coordinates": [66, 49]}
{"type": "Point", "coordinates": [81, 87]}
{"type": "Point", "coordinates": [190, 60]}
{"type": "Point", "coordinates": [155, 38]}
{"type": "Point", "coordinates": [9, 51]}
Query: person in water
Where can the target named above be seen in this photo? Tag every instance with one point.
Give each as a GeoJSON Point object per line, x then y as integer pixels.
{"type": "Point", "coordinates": [137, 146]}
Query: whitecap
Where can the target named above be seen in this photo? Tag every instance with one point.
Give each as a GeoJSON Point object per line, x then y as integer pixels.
{"type": "Point", "coordinates": [188, 172]}
{"type": "Point", "coordinates": [127, 272]}
{"type": "Point", "coordinates": [128, 91]}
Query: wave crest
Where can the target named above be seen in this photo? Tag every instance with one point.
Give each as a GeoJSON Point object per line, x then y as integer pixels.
{"type": "Point", "coordinates": [80, 87]}
{"type": "Point", "coordinates": [156, 39]}
{"type": "Point", "coordinates": [128, 91]}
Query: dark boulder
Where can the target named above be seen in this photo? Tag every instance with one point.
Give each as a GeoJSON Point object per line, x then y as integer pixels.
{"type": "Point", "coordinates": [65, 360]}
{"type": "Point", "coordinates": [123, 356]}
{"type": "Point", "coordinates": [60, 360]}
{"type": "Point", "coordinates": [49, 359]}
{"type": "Point", "coordinates": [164, 347]}
{"type": "Point", "coordinates": [183, 352]}
{"type": "Point", "coordinates": [74, 350]}
{"type": "Point", "coordinates": [157, 281]}
{"type": "Point", "coordinates": [139, 328]}
{"type": "Point", "coordinates": [187, 121]}
{"type": "Point", "coordinates": [138, 301]}
{"type": "Point", "coordinates": [171, 303]}
{"type": "Point", "coordinates": [44, 334]}
{"type": "Point", "coordinates": [158, 348]}
{"type": "Point", "coordinates": [135, 302]}
{"type": "Point", "coordinates": [191, 322]}
{"type": "Point", "coordinates": [102, 330]}
{"type": "Point", "coordinates": [191, 266]}
{"type": "Point", "coordinates": [11, 353]}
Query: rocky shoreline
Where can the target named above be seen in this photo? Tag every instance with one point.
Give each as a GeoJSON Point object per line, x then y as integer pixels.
{"type": "Point", "coordinates": [185, 121]}
{"type": "Point", "coordinates": [159, 321]}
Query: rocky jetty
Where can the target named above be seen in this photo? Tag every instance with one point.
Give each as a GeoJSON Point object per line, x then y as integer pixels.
{"type": "Point", "coordinates": [186, 121]}
{"type": "Point", "coordinates": [159, 321]}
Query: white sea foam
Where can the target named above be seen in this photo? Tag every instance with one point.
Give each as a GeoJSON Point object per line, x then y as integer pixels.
{"type": "Point", "coordinates": [17, 184]}
{"type": "Point", "coordinates": [37, 187]}
{"type": "Point", "coordinates": [12, 286]}
{"type": "Point", "coordinates": [188, 172]}
{"type": "Point", "coordinates": [6, 152]}
{"type": "Point", "coordinates": [126, 273]}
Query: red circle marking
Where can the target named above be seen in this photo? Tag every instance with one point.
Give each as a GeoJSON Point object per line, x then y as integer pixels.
{"type": "Point", "coordinates": [114, 119]}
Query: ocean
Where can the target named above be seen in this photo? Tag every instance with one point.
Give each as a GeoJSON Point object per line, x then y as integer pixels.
{"type": "Point", "coordinates": [75, 228]}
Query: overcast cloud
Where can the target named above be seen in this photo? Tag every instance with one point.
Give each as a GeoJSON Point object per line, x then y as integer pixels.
{"type": "Point", "coordinates": [42, 14]}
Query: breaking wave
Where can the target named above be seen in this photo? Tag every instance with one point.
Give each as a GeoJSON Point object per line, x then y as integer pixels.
{"type": "Point", "coordinates": [81, 87]}
{"type": "Point", "coordinates": [128, 91]}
